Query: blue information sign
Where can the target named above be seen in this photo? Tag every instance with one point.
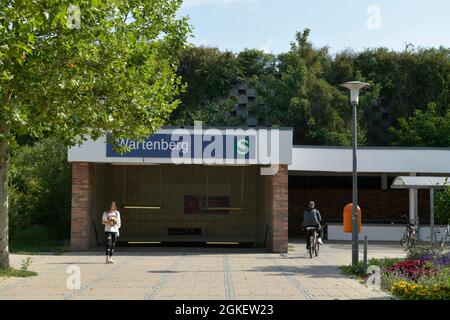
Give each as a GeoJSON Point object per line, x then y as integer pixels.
{"type": "Point", "coordinates": [201, 146]}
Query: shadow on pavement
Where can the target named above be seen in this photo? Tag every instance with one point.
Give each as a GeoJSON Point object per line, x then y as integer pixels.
{"type": "Point", "coordinates": [316, 271]}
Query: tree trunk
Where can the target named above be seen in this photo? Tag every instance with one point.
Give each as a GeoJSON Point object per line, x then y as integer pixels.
{"type": "Point", "coordinates": [4, 161]}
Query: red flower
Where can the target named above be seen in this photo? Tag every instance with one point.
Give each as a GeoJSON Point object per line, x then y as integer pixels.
{"type": "Point", "coordinates": [413, 269]}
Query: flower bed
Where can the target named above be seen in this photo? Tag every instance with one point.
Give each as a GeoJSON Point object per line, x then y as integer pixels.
{"type": "Point", "coordinates": [424, 278]}
{"type": "Point", "coordinates": [421, 276]}
{"type": "Point", "coordinates": [413, 291]}
{"type": "Point", "coordinates": [413, 269]}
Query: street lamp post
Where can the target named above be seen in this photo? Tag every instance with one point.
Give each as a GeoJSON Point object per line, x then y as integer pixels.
{"type": "Point", "coordinates": [354, 87]}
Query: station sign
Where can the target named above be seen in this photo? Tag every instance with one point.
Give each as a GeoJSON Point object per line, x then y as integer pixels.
{"type": "Point", "coordinates": [193, 146]}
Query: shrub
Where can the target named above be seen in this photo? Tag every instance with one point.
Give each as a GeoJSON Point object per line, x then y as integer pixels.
{"type": "Point", "coordinates": [40, 183]}
{"type": "Point", "coordinates": [442, 205]}
{"type": "Point", "coordinates": [35, 239]}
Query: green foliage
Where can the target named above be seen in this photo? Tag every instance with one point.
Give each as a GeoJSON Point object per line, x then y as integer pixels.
{"type": "Point", "coordinates": [409, 81]}
{"type": "Point", "coordinates": [208, 74]}
{"type": "Point", "coordinates": [35, 240]}
{"type": "Point", "coordinates": [79, 72]}
{"type": "Point", "coordinates": [424, 128]}
{"type": "Point", "coordinates": [300, 97]}
{"type": "Point", "coordinates": [217, 112]}
{"type": "Point", "coordinates": [254, 64]}
{"type": "Point", "coordinates": [291, 91]}
{"type": "Point", "coordinates": [53, 75]}
{"type": "Point", "coordinates": [11, 272]}
{"type": "Point", "coordinates": [40, 188]}
{"type": "Point", "coordinates": [300, 89]}
{"type": "Point", "coordinates": [26, 263]}
{"type": "Point", "coordinates": [359, 270]}
{"type": "Point", "coordinates": [442, 205]}
{"type": "Point", "coordinates": [350, 270]}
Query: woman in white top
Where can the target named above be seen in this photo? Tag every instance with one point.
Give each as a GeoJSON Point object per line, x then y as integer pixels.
{"type": "Point", "coordinates": [111, 220]}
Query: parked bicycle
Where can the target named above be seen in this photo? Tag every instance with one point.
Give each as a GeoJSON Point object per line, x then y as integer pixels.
{"type": "Point", "coordinates": [409, 237]}
{"type": "Point", "coordinates": [443, 241]}
{"type": "Point", "coordinates": [313, 242]}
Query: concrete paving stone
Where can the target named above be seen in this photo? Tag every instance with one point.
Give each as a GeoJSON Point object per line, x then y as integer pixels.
{"type": "Point", "coordinates": [122, 288]}
{"type": "Point", "coordinates": [216, 290]}
{"type": "Point", "coordinates": [216, 297]}
{"type": "Point", "coordinates": [243, 297]}
{"type": "Point", "coordinates": [196, 293]}
{"type": "Point", "coordinates": [32, 297]}
{"type": "Point", "coordinates": [295, 298]}
{"type": "Point", "coordinates": [198, 275]}
{"type": "Point", "coordinates": [201, 297]}
{"type": "Point", "coordinates": [261, 297]}
{"type": "Point", "coordinates": [201, 284]}
{"type": "Point", "coordinates": [216, 284]}
{"type": "Point", "coordinates": [239, 283]}
{"type": "Point", "coordinates": [172, 285]}
{"type": "Point", "coordinates": [181, 297]}
{"type": "Point", "coordinates": [93, 297]}
{"type": "Point", "coordinates": [242, 292]}
{"type": "Point", "coordinates": [163, 297]}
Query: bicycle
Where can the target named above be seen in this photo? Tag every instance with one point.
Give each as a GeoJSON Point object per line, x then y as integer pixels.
{"type": "Point", "coordinates": [442, 243]}
{"type": "Point", "coordinates": [313, 242]}
{"type": "Point", "coordinates": [409, 237]}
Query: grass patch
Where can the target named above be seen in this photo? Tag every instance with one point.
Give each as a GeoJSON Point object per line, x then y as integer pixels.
{"type": "Point", "coordinates": [35, 240]}
{"type": "Point", "coordinates": [11, 272]}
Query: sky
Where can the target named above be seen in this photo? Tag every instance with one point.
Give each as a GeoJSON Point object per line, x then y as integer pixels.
{"type": "Point", "coordinates": [270, 25]}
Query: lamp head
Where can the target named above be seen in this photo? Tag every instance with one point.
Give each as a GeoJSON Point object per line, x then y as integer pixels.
{"type": "Point", "coordinates": [354, 87]}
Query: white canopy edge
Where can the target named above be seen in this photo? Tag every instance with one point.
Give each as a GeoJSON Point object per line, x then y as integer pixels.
{"type": "Point", "coordinates": [401, 161]}
{"type": "Point", "coordinates": [410, 182]}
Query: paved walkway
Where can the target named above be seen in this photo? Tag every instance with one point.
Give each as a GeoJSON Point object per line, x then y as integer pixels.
{"type": "Point", "coordinates": [196, 273]}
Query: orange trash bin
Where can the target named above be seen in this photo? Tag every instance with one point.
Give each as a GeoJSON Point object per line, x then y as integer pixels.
{"type": "Point", "coordinates": [348, 212]}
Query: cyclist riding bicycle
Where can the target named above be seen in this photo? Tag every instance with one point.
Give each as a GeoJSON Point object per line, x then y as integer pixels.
{"type": "Point", "coordinates": [312, 218]}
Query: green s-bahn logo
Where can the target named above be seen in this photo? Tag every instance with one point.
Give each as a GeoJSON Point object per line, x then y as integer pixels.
{"type": "Point", "coordinates": [242, 147]}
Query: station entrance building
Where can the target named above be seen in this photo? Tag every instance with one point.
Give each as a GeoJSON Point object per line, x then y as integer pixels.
{"type": "Point", "coordinates": [243, 198]}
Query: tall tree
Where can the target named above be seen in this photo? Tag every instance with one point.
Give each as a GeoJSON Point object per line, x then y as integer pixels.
{"type": "Point", "coordinates": [209, 74]}
{"type": "Point", "coordinates": [423, 129]}
{"type": "Point", "coordinates": [78, 71]}
{"type": "Point", "coordinates": [410, 80]}
{"type": "Point", "coordinates": [299, 95]}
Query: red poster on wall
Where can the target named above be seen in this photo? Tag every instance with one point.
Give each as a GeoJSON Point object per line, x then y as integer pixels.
{"type": "Point", "coordinates": [202, 204]}
{"type": "Point", "coordinates": [192, 204]}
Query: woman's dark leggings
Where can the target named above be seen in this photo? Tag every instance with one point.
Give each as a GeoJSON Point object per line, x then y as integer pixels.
{"type": "Point", "coordinates": [110, 243]}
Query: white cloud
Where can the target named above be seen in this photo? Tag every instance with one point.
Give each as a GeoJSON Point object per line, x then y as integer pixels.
{"type": "Point", "coordinates": [192, 3]}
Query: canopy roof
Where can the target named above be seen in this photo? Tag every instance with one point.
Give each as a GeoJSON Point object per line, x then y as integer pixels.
{"type": "Point", "coordinates": [411, 182]}
{"type": "Point", "coordinates": [399, 161]}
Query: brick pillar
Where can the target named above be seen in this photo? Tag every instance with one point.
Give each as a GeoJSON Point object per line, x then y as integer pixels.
{"type": "Point", "coordinates": [278, 211]}
{"type": "Point", "coordinates": [82, 190]}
